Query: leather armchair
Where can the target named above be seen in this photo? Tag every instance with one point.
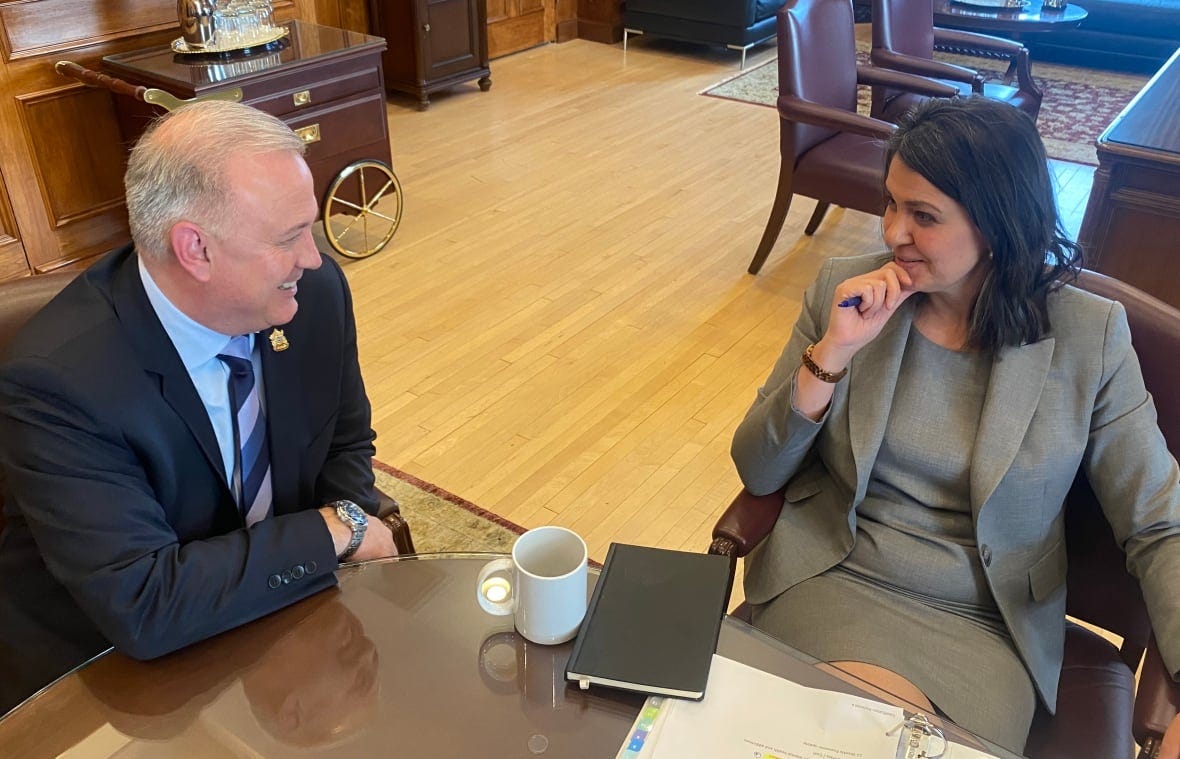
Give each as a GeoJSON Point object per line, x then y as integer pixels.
{"type": "Point", "coordinates": [905, 38]}
{"type": "Point", "coordinates": [20, 299]}
{"type": "Point", "coordinates": [1098, 706]}
{"type": "Point", "coordinates": [828, 151]}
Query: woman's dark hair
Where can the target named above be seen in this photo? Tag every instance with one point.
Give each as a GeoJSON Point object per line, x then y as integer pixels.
{"type": "Point", "coordinates": [987, 156]}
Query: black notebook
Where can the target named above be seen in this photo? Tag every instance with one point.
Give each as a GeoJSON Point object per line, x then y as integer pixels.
{"type": "Point", "coordinates": [653, 621]}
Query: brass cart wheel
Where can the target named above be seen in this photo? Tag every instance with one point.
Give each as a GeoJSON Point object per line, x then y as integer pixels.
{"type": "Point", "coordinates": [362, 209]}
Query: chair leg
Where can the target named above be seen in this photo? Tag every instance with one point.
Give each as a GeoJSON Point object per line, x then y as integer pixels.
{"type": "Point", "coordinates": [778, 214]}
{"type": "Point", "coordinates": [817, 216]}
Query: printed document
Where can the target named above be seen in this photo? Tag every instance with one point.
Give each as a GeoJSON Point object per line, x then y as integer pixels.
{"type": "Point", "coordinates": [751, 714]}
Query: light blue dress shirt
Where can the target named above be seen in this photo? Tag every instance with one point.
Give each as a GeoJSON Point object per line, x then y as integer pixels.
{"type": "Point", "coordinates": [198, 347]}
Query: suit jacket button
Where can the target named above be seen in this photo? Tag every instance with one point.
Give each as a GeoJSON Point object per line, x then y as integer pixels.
{"type": "Point", "coordinates": [274, 581]}
{"type": "Point", "coordinates": [985, 552]}
{"type": "Point", "coordinates": [311, 567]}
{"type": "Point", "coordinates": [297, 572]}
{"type": "Point", "coordinates": [287, 577]}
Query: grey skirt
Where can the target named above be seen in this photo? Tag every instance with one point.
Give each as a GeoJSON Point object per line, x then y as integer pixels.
{"type": "Point", "coordinates": [967, 667]}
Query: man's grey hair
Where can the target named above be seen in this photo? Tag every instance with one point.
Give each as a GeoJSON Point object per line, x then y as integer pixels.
{"type": "Point", "coordinates": [176, 172]}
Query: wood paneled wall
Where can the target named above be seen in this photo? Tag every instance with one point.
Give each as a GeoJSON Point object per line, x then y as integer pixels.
{"type": "Point", "coordinates": [343, 14]}
{"type": "Point", "coordinates": [61, 154]}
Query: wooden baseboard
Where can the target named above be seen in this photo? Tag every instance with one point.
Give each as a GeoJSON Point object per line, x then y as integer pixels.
{"type": "Point", "coordinates": [567, 30]}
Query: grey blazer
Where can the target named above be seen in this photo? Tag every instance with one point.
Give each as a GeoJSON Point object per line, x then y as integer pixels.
{"type": "Point", "coordinates": [1075, 398]}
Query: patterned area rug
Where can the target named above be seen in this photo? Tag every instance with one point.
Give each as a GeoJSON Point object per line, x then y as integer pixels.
{"type": "Point", "coordinates": [441, 521]}
{"type": "Point", "coordinates": [1078, 105]}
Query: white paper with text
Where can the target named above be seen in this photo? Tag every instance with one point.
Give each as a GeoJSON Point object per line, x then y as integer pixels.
{"type": "Point", "coordinates": [750, 714]}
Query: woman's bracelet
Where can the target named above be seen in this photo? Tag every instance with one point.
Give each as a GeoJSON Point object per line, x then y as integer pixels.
{"type": "Point", "coordinates": [819, 372]}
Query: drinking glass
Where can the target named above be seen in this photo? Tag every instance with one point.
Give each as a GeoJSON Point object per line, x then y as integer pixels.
{"type": "Point", "coordinates": [247, 24]}
{"type": "Point", "coordinates": [264, 11]}
{"type": "Point", "coordinates": [225, 25]}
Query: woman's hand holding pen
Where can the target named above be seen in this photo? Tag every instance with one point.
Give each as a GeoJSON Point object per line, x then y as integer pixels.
{"type": "Point", "coordinates": [860, 308]}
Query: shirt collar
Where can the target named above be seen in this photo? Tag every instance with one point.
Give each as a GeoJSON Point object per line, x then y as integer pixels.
{"type": "Point", "coordinates": [195, 342]}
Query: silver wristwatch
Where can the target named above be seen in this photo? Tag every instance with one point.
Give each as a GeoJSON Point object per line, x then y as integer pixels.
{"type": "Point", "coordinates": [357, 521]}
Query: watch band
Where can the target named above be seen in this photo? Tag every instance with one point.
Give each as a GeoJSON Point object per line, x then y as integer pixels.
{"type": "Point", "coordinates": [357, 521]}
{"type": "Point", "coordinates": [820, 373]}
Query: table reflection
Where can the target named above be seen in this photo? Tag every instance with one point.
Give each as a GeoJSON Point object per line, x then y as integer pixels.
{"type": "Point", "coordinates": [398, 660]}
{"type": "Point", "coordinates": [318, 683]}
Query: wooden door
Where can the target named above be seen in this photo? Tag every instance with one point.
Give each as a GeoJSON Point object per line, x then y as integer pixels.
{"type": "Point", "coordinates": [515, 25]}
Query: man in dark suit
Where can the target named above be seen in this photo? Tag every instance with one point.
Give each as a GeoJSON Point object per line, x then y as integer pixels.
{"type": "Point", "coordinates": [155, 494]}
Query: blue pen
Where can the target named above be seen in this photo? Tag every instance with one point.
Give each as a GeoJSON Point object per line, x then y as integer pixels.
{"type": "Point", "coordinates": [852, 302]}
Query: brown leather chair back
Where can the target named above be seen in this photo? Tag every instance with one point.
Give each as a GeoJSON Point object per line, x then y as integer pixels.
{"type": "Point", "coordinates": [1100, 589]}
{"type": "Point", "coordinates": [891, 32]}
{"type": "Point", "coordinates": [19, 300]}
{"type": "Point", "coordinates": [905, 39]}
{"type": "Point", "coordinates": [816, 63]}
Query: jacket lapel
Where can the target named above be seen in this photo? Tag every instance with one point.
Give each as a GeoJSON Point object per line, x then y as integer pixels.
{"type": "Point", "coordinates": [871, 383]}
{"type": "Point", "coordinates": [281, 379]}
{"type": "Point", "coordinates": [158, 356]}
{"type": "Point", "coordinates": [1013, 393]}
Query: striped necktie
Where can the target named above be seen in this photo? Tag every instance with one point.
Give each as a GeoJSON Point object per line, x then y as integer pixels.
{"type": "Point", "coordinates": [251, 476]}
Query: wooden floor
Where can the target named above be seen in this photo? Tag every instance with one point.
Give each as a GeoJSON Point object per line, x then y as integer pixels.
{"type": "Point", "coordinates": [563, 330]}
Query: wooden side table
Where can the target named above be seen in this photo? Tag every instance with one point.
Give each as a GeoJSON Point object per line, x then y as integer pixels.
{"type": "Point", "coordinates": [433, 44]}
{"type": "Point", "coordinates": [1008, 22]}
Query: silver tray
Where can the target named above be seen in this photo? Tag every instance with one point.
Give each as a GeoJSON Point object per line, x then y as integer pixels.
{"type": "Point", "coordinates": [183, 48]}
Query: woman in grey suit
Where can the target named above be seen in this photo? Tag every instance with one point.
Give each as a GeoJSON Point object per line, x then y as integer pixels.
{"type": "Point", "coordinates": [927, 418]}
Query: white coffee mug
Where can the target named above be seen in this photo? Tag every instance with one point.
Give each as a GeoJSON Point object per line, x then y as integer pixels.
{"type": "Point", "coordinates": [543, 584]}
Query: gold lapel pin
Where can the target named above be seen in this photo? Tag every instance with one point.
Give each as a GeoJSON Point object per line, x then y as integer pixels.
{"type": "Point", "coordinates": [278, 341]}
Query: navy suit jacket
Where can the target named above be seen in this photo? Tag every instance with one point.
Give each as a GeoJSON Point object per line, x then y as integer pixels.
{"type": "Point", "coordinates": [121, 527]}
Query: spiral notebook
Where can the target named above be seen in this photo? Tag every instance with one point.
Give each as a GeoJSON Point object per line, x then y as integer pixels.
{"type": "Point", "coordinates": [653, 621]}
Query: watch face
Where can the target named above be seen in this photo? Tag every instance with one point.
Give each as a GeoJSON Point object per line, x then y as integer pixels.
{"type": "Point", "coordinates": [352, 513]}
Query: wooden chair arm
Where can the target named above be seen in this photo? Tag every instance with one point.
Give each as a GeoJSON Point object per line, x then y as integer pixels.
{"type": "Point", "coordinates": [389, 512]}
{"type": "Point", "coordinates": [899, 79]}
{"type": "Point", "coordinates": [745, 523]}
{"type": "Point", "coordinates": [973, 43]}
{"type": "Point", "coordinates": [1157, 700]}
{"type": "Point", "coordinates": [925, 67]}
{"type": "Point", "coordinates": [796, 109]}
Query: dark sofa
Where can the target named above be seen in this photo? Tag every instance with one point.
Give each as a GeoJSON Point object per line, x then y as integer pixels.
{"type": "Point", "coordinates": [737, 24]}
{"type": "Point", "coordinates": [1135, 35]}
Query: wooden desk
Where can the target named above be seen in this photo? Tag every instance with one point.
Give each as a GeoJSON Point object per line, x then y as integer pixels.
{"type": "Point", "coordinates": [1132, 220]}
{"type": "Point", "coordinates": [398, 661]}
